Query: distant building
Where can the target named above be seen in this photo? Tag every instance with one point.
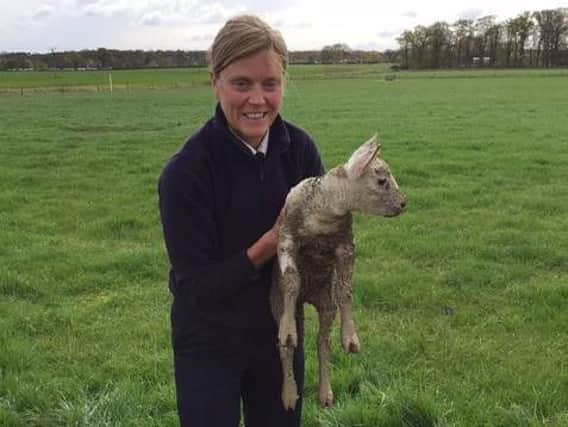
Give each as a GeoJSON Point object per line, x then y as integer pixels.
{"type": "Point", "coordinates": [477, 61]}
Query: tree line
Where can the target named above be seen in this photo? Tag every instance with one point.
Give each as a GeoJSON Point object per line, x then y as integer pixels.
{"type": "Point", "coordinates": [103, 58]}
{"type": "Point", "coordinates": [531, 39]}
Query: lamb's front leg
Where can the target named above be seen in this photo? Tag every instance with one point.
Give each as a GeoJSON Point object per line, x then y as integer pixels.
{"type": "Point", "coordinates": [344, 270]}
{"type": "Point", "coordinates": [290, 288]}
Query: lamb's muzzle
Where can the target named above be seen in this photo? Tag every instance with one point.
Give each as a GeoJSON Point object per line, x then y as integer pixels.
{"type": "Point", "coordinates": [316, 251]}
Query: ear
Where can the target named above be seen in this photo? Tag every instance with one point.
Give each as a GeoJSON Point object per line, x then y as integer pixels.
{"type": "Point", "coordinates": [214, 83]}
{"type": "Point", "coordinates": [362, 158]}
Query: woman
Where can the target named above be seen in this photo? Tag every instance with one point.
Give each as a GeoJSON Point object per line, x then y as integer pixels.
{"type": "Point", "coordinates": [220, 197]}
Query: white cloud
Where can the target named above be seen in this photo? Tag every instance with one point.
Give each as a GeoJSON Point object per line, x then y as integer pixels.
{"type": "Point", "coordinates": [389, 34]}
{"type": "Point", "coordinates": [471, 14]}
{"type": "Point", "coordinates": [215, 13]}
{"type": "Point", "coordinates": [410, 14]}
{"type": "Point", "coordinates": [367, 46]}
{"type": "Point", "coordinates": [152, 19]}
{"type": "Point", "coordinates": [201, 38]}
{"type": "Point", "coordinates": [43, 13]}
{"type": "Point", "coordinates": [82, 3]}
{"type": "Point", "coordinates": [36, 25]}
{"type": "Point", "coordinates": [107, 8]}
{"type": "Point", "coordinates": [262, 6]}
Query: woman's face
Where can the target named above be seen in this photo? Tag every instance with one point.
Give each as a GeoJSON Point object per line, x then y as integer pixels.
{"type": "Point", "coordinates": [250, 92]}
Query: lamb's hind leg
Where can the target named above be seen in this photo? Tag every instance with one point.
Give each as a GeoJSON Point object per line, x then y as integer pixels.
{"type": "Point", "coordinates": [289, 387]}
{"type": "Point", "coordinates": [290, 288]}
{"type": "Point", "coordinates": [325, 393]}
{"type": "Point", "coordinates": [344, 260]}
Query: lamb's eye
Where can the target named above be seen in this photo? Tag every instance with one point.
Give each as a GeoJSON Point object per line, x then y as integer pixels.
{"type": "Point", "coordinates": [382, 181]}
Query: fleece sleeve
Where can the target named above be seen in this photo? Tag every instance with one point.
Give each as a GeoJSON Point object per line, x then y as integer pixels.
{"type": "Point", "coordinates": [190, 233]}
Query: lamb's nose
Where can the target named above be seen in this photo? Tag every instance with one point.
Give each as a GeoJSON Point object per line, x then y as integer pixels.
{"type": "Point", "coordinates": [403, 203]}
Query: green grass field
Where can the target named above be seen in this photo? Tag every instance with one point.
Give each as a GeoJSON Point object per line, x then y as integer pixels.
{"type": "Point", "coordinates": [461, 303]}
{"type": "Point", "coordinates": [127, 80]}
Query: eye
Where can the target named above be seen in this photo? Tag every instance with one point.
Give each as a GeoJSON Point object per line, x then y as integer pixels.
{"type": "Point", "coordinates": [241, 84]}
{"type": "Point", "coordinates": [382, 181]}
{"type": "Point", "coordinates": [270, 85]}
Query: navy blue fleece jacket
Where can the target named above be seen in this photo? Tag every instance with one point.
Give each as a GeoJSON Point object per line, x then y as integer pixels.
{"type": "Point", "coordinates": [216, 199]}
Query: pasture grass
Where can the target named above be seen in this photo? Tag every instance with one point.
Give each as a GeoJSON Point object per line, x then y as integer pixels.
{"type": "Point", "coordinates": [121, 79]}
{"type": "Point", "coordinates": [162, 78]}
{"type": "Point", "coordinates": [461, 303]}
{"type": "Point", "coordinates": [34, 82]}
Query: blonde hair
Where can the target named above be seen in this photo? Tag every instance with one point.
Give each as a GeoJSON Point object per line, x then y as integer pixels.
{"type": "Point", "coordinates": [242, 36]}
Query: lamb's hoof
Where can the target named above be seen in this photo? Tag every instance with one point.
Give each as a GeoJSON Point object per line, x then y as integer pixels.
{"type": "Point", "coordinates": [289, 396]}
{"type": "Point", "coordinates": [288, 337]}
{"type": "Point", "coordinates": [351, 344]}
{"type": "Point", "coordinates": [325, 397]}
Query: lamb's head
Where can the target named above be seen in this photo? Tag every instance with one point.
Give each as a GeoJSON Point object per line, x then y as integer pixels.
{"type": "Point", "coordinates": [373, 188]}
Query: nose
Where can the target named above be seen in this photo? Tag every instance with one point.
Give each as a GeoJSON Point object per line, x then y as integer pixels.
{"type": "Point", "coordinates": [257, 97]}
{"type": "Point", "coordinates": [403, 203]}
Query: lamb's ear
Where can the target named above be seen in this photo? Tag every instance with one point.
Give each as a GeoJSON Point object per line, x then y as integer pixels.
{"type": "Point", "coordinates": [362, 158]}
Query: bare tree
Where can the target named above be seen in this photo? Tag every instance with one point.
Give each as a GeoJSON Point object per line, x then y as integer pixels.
{"type": "Point", "coordinates": [524, 24]}
{"type": "Point", "coordinates": [421, 41]}
{"type": "Point", "coordinates": [483, 33]}
{"type": "Point", "coordinates": [464, 35]}
{"type": "Point", "coordinates": [439, 40]}
{"type": "Point", "coordinates": [336, 53]}
{"type": "Point", "coordinates": [553, 26]}
{"type": "Point", "coordinates": [406, 42]}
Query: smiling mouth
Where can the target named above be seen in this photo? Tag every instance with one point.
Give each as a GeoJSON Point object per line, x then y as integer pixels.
{"type": "Point", "coordinates": [255, 116]}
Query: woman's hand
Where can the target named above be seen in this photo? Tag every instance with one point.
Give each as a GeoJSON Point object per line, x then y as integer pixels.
{"type": "Point", "coordinates": [265, 247]}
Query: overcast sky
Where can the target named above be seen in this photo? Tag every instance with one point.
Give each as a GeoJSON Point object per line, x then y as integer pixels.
{"type": "Point", "coordinates": [43, 25]}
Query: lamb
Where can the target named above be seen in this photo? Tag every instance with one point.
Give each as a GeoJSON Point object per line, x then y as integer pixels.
{"type": "Point", "coordinates": [315, 256]}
